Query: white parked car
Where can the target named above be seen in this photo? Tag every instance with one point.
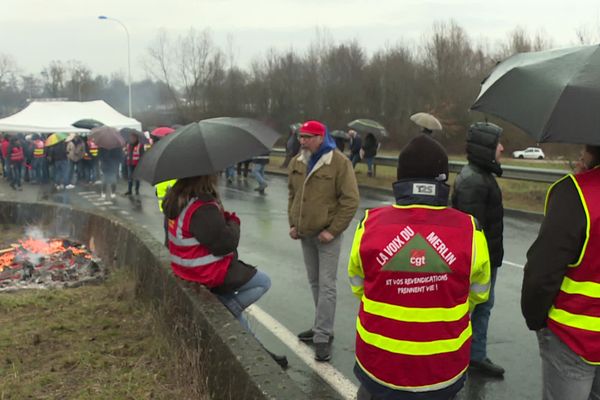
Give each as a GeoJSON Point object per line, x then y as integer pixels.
{"type": "Point", "coordinates": [534, 153]}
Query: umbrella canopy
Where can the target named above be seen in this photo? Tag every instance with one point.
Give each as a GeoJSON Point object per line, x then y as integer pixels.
{"type": "Point", "coordinates": [87, 123]}
{"type": "Point", "coordinates": [340, 134]}
{"type": "Point", "coordinates": [427, 121]}
{"type": "Point", "coordinates": [204, 148]}
{"type": "Point", "coordinates": [368, 126]}
{"type": "Point", "coordinates": [56, 138]}
{"type": "Point", "coordinates": [107, 137]}
{"type": "Point", "coordinates": [127, 132]}
{"type": "Point", "coordinates": [553, 95]}
{"type": "Point", "coordinates": [162, 131]}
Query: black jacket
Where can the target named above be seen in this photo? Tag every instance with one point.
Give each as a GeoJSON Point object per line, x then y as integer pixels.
{"type": "Point", "coordinates": [370, 146]}
{"type": "Point", "coordinates": [476, 192]}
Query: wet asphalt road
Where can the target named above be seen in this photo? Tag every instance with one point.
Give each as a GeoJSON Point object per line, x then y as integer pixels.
{"type": "Point", "coordinates": [266, 244]}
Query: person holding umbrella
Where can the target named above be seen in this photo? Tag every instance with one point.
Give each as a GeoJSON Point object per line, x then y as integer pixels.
{"type": "Point", "coordinates": [559, 297]}
{"type": "Point", "coordinates": [323, 198]}
{"type": "Point", "coordinates": [203, 238]}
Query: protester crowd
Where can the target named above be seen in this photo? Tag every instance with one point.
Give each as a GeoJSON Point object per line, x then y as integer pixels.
{"type": "Point", "coordinates": [412, 342]}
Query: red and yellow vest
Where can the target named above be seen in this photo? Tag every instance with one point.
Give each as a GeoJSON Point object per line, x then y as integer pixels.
{"type": "Point", "coordinates": [135, 154]}
{"type": "Point", "coordinates": [93, 149]}
{"type": "Point", "coordinates": [191, 260]}
{"type": "Point", "coordinates": [575, 315]}
{"type": "Point", "coordinates": [17, 154]}
{"type": "Point", "coordinates": [39, 149]}
{"type": "Point", "coordinates": [416, 266]}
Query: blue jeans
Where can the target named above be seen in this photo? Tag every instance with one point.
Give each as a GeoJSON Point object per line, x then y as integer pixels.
{"type": "Point", "coordinates": [61, 172]}
{"type": "Point", "coordinates": [15, 174]}
{"type": "Point", "coordinates": [369, 162]}
{"type": "Point", "coordinates": [564, 374]}
{"type": "Point", "coordinates": [38, 169]}
{"type": "Point", "coordinates": [480, 320]}
{"type": "Point", "coordinates": [246, 295]}
{"type": "Point", "coordinates": [230, 172]}
{"type": "Point", "coordinates": [258, 170]}
{"type": "Point", "coordinates": [355, 158]}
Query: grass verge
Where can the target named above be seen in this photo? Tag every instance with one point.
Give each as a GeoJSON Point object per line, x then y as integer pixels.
{"type": "Point", "coordinates": [93, 342]}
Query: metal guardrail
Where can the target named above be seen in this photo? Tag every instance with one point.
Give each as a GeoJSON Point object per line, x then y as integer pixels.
{"type": "Point", "coordinates": [509, 171]}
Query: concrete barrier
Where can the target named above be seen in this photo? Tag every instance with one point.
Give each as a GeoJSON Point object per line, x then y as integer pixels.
{"type": "Point", "coordinates": [235, 364]}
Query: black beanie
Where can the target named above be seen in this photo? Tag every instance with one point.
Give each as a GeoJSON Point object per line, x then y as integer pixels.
{"type": "Point", "coordinates": [423, 157]}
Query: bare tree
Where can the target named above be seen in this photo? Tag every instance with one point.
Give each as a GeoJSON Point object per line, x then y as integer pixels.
{"type": "Point", "coordinates": [54, 76]}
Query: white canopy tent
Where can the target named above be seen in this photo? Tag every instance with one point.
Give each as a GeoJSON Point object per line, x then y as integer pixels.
{"type": "Point", "coordinates": [57, 116]}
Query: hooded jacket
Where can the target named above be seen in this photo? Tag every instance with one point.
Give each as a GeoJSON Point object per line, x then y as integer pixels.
{"type": "Point", "coordinates": [476, 191]}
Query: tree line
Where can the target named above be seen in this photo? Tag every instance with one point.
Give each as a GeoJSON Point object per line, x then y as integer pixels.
{"type": "Point", "coordinates": [191, 78]}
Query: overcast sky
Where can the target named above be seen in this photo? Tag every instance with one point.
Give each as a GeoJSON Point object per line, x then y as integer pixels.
{"type": "Point", "coordinates": [35, 32]}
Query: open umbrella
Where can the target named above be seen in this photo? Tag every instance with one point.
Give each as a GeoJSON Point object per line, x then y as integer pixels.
{"type": "Point", "coordinates": [205, 147]}
{"type": "Point", "coordinates": [107, 137]}
{"type": "Point", "coordinates": [56, 138]}
{"type": "Point", "coordinates": [162, 131]}
{"type": "Point", "coordinates": [340, 134]}
{"type": "Point", "coordinates": [553, 95]}
{"type": "Point", "coordinates": [426, 121]}
{"type": "Point", "coordinates": [87, 123]}
{"type": "Point", "coordinates": [127, 132]}
{"type": "Point", "coordinates": [368, 126]}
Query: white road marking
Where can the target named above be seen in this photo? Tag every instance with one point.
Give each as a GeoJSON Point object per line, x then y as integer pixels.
{"type": "Point", "coordinates": [512, 264]}
{"type": "Point", "coordinates": [346, 388]}
{"type": "Point", "coordinates": [87, 193]}
{"type": "Point", "coordinates": [124, 212]}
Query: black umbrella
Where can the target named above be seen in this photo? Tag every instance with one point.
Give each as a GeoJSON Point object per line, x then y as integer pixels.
{"type": "Point", "coordinates": [368, 126]}
{"type": "Point", "coordinates": [87, 123]}
{"type": "Point", "coordinates": [127, 132]}
{"type": "Point", "coordinates": [204, 148]}
{"type": "Point", "coordinates": [553, 95]}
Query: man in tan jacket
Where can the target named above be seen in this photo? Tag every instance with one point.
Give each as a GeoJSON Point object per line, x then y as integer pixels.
{"type": "Point", "coordinates": [323, 198]}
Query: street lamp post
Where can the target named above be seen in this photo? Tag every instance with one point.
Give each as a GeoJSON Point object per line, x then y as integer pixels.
{"type": "Point", "coordinates": [128, 54]}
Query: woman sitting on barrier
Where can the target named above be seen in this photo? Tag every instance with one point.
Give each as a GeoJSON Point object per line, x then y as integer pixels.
{"type": "Point", "coordinates": [203, 240]}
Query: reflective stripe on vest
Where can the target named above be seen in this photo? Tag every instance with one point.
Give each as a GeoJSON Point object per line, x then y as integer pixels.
{"type": "Point", "coordinates": [38, 151]}
{"type": "Point", "coordinates": [17, 154]}
{"type": "Point", "coordinates": [575, 315]}
{"type": "Point", "coordinates": [135, 153]}
{"type": "Point", "coordinates": [181, 241]}
{"type": "Point", "coordinates": [414, 314]}
{"type": "Point", "coordinates": [93, 148]}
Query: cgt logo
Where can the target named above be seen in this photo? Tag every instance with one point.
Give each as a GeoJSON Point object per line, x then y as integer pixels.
{"type": "Point", "coordinates": [417, 258]}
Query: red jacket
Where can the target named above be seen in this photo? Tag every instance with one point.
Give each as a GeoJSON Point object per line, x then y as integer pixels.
{"type": "Point", "coordinates": [4, 148]}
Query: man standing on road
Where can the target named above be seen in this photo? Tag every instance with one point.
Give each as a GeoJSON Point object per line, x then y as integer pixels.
{"type": "Point", "coordinates": [323, 198]}
{"type": "Point", "coordinates": [476, 192]}
{"type": "Point", "coordinates": [560, 298]}
{"type": "Point", "coordinates": [418, 267]}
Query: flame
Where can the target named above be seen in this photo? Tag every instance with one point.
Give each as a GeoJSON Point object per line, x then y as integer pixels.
{"type": "Point", "coordinates": [38, 247]}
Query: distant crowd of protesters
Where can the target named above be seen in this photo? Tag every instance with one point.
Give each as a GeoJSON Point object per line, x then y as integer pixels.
{"type": "Point", "coordinates": [72, 162]}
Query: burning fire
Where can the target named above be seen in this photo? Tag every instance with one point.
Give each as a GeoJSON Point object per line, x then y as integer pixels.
{"type": "Point", "coordinates": [31, 249]}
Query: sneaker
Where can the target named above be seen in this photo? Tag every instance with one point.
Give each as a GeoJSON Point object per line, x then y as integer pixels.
{"type": "Point", "coordinates": [323, 351]}
{"type": "Point", "coordinates": [70, 186]}
{"type": "Point", "coordinates": [113, 195]}
{"type": "Point", "coordinates": [127, 193]}
{"type": "Point", "coordinates": [486, 367]}
{"type": "Point", "coordinates": [103, 196]}
{"type": "Point", "coordinates": [98, 182]}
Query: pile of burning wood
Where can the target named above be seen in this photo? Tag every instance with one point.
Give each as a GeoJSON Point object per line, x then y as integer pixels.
{"type": "Point", "coordinates": [36, 263]}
